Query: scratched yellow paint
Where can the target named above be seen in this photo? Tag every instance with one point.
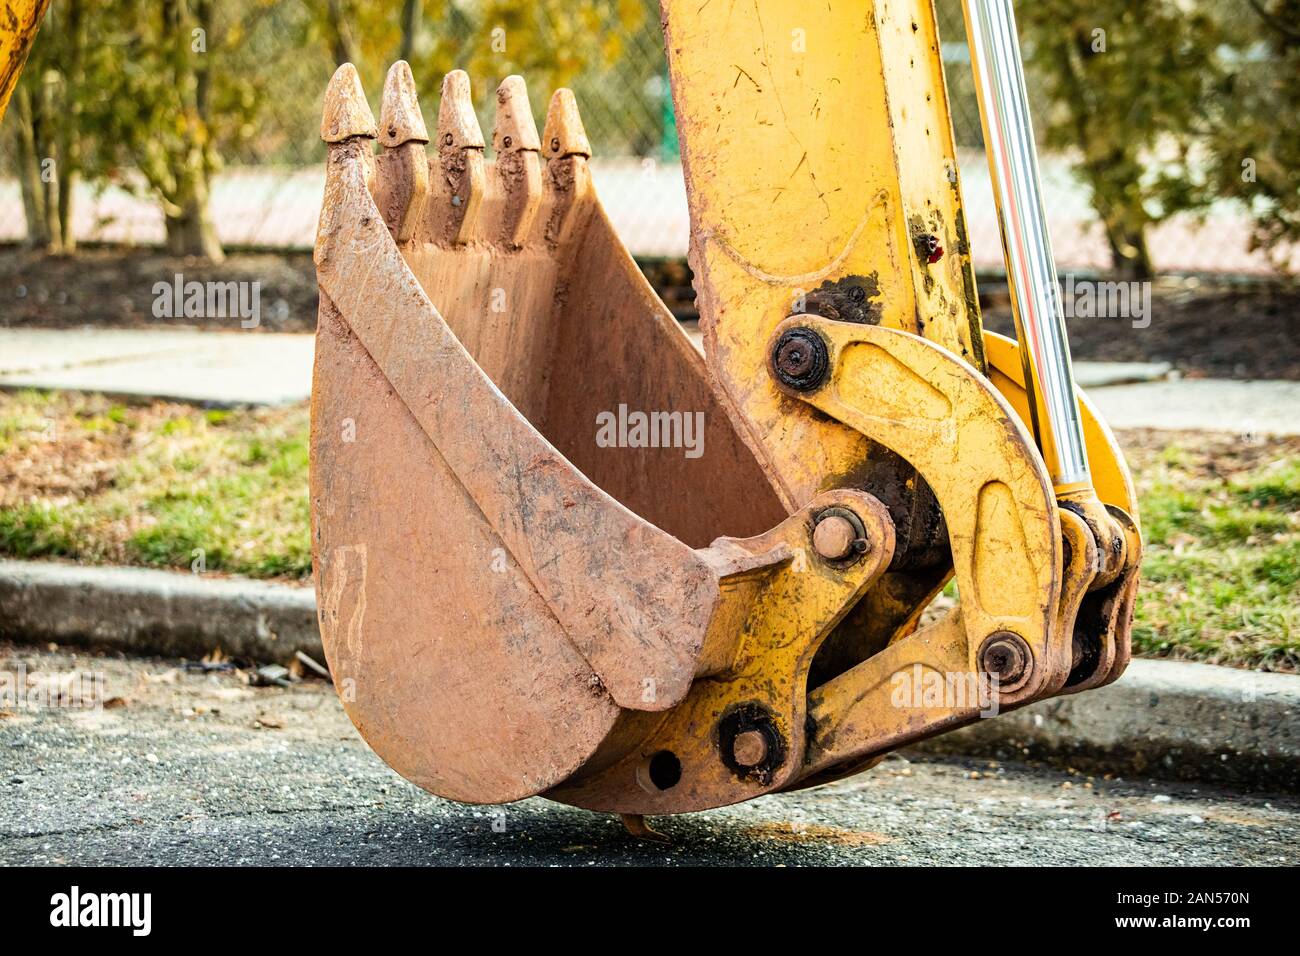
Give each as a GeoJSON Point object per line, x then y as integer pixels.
{"type": "Point", "coordinates": [818, 146]}
{"type": "Point", "coordinates": [19, 21]}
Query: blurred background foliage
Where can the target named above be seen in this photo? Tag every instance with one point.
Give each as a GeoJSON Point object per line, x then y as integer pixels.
{"type": "Point", "coordinates": [1162, 106]}
{"type": "Point", "coordinates": [1165, 106]}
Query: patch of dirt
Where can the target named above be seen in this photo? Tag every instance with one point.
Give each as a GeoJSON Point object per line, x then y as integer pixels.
{"type": "Point", "coordinates": [114, 288]}
{"type": "Point", "coordinates": [815, 833]}
{"type": "Point", "coordinates": [1204, 329]}
{"type": "Point", "coordinates": [68, 458]}
{"type": "Point", "coordinates": [81, 467]}
{"type": "Point", "coordinates": [198, 695]}
{"type": "Point", "coordinates": [1205, 456]}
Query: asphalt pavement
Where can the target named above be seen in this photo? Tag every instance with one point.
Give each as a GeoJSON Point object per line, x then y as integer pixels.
{"type": "Point", "coordinates": [171, 767]}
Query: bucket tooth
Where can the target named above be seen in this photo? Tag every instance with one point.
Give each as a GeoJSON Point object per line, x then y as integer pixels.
{"type": "Point", "coordinates": [457, 124]}
{"type": "Point", "coordinates": [515, 129]}
{"type": "Point", "coordinates": [346, 114]}
{"type": "Point", "coordinates": [402, 167]}
{"type": "Point", "coordinates": [347, 125]}
{"type": "Point", "coordinates": [564, 134]}
{"type": "Point", "coordinates": [460, 159]}
{"type": "Point", "coordinates": [568, 179]}
{"type": "Point", "coordinates": [518, 165]}
{"type": "Point", "coordinates": [400, 119]}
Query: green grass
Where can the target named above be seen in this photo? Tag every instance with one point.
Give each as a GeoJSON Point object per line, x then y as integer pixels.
{"type": "Point", "coordinates": [168, 485]}
{"type": "Point", "coordinates": [1222, 566]}
{"type": "Point", "coordinates": [37, 530]}
{"type": "Point", "coordinates": [185, 488]}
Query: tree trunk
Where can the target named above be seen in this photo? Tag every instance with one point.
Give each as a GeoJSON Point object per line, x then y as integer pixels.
{"type": "Point", "coordinates": [1130, 257]}
{"type": "Point", "coordinates": [192, 231]}
{"type": "Point", "coordinates": [37, 179]}
{"type": "Point", "coordinates": [29, 173]}
{"type": "Point", "coordinates": [345, 47]}
{"type": "Point", "coordinates": [1125, 227]}
{"type": "Point", "coordinates": [48, 116]}
{"type": "Point", "coordinates": [187, 213]}
{"type": "Point", "coordinates": [70, 129]}
{"type": "Point", "coordinates": [67, 181]}
{"type": "Point", "coordinates": [410, 26]}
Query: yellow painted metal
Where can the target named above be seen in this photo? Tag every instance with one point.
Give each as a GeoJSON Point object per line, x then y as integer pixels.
{"type": "Point", "coordinates": [817, 151]}
{"type": "Point", "coordinates": [1003, 528]}
{"type": "Point", "coordinates": [19, 21]}
{"type": "Point", "coordinates": [968, 436]}
{"type": "Point", "coordinates": [1110, 474]}
{"type": "Point", "coordinates": [947, 420]}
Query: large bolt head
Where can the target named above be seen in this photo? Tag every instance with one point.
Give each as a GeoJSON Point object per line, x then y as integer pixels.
{"type": "Point", "coordinates": [800, 360]}
{"type": "Point", "coordinates": [1006, 657]}
{"type": "Point", "coordinates": [749, 742]}
{"type": "Point", "coordinates": [750, 748]}
{"type": "Point", "coordinates": [833, 537]}
{"type": "Point", "coordinates": [839, 536]}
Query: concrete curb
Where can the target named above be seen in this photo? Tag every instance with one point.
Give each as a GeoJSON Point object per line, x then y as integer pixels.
{"type": "Point", "coordinates": [1163, 718]}
{"type": "Point", "coordinates": [156, 612]}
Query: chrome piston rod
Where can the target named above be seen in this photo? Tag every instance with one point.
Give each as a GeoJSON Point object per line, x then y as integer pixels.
{"type": "Point", "coordinates": [1027, 247]}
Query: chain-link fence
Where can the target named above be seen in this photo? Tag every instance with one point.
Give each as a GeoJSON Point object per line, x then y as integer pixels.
{"type": "Point", "coordinates": [623, 90]}
{"type": "Point", "coordinates": [267, 193]}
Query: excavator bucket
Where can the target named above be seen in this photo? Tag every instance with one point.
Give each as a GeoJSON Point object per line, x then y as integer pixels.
{"type": "Point", "coordinates": [560, 551]}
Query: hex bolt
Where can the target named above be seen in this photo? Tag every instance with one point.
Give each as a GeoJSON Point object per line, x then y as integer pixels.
{"type": "Point", "coordinates": [749, 748]}
{"type": "Point", "coordinates": [800, 359]}
{"type": "Point", "coordinates": [1006, 657]}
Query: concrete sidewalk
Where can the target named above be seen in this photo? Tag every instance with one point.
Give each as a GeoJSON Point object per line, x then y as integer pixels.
{"type": "Point", "coordinates": [1248, 409]}
{"type": "Point", "coordinates": [213, 369]}
{"type": "Point", "coordinates": [236, 369]}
